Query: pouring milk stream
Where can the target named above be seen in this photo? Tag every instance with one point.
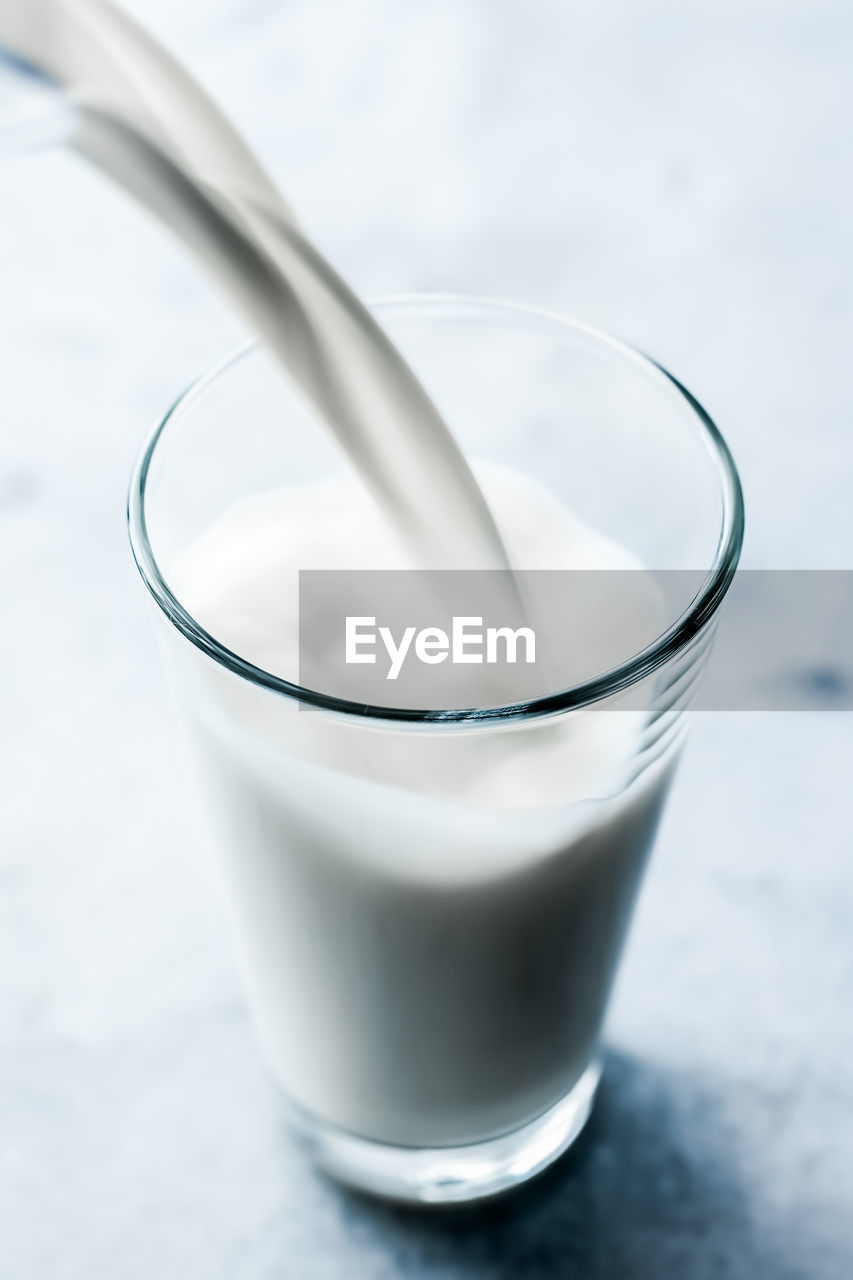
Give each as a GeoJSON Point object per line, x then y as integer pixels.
{"type": "Point", "coordinates": [143, 120]}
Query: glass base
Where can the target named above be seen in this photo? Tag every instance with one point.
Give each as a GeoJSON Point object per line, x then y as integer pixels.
{"type": "Point", "coordinates": [449, 1175]}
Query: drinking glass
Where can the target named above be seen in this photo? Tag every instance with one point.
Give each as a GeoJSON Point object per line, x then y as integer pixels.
{"type": "Point", "coordinates": [429, 906]}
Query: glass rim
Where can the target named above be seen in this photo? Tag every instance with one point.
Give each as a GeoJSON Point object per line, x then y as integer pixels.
{"type": "Point", "coordinates": [667, 645]}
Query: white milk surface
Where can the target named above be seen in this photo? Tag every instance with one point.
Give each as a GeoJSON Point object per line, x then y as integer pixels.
{"type": "Point", "coordinates": [429, 918]}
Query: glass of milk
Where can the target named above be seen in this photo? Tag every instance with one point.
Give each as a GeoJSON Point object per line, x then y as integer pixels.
{"type": "Point", "coordinates": [429, 908]}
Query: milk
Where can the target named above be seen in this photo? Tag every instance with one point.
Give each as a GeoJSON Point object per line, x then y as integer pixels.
{"type": "Point", "coordinates": [142, 119]}
{"type": "Point", "coordinates": [428, 920]}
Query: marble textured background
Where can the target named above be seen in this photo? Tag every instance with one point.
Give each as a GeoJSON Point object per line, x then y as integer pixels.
{"type": "Point", "coordinates": [679, 174]}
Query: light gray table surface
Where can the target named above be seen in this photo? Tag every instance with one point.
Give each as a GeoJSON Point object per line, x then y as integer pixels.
{"type": "Point", "coordinates": [679, 174]}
